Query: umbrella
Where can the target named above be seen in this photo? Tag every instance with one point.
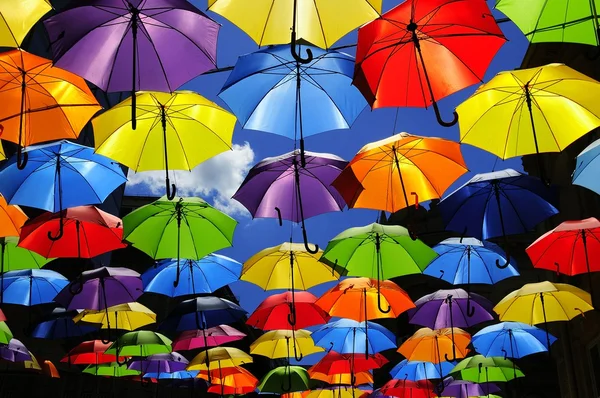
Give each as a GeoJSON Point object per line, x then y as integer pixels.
{"type": "Point", "coordinates": [464, 389]}
{"type": "Point", "coordinates": [90, 353]}
{"type": "Point", "coordinates": [568, 248]}
{"type": "Point", "coordinates": [234, 381]}
{"type": "Point", "coordinates": [433, 345]}
{"type": "Point", "coordinates": [158, 363]}
{"type": "Point", "coordinates": [335, 392]}
{"type": "Point", "coordinates": [36, 95]}
{"type": "Point", "coordinates": [5, 333]}
{"type": "Point", "coordinates": [134, 45]}
{"type": "Point", "coordinates": [336, 363]}
{"type": "Point", "coordinates": [272, 90]}
{"type": "Point", "coordinates": [421, 370]}
{"type": "Point", "coordinates": [32, 286]}
{"type": "Point", "coordinates": [280, 344]}
{"type": "Point", "coordinates": [141, 343]}
{"type": "Point", "coordinates": [275, 311]}
{"type": "Point", "coordinates": [544, 302]}
{"type": "Point", "coordinates": [384, 174]}
{"type": "Point", "coordinates": [412, 389]}
{"type": "Point", "coordinates": [495, 369]}
{"type": "Point", "coordinates": [127, 316]}
{"type": "Point", "coordinates": [215, 336]}
{"type": "Point", "coordinates": [87, 232]}
{"type": "Point", "coordinates": [585, 171]}
{"type": "Point", "coordinates": [280, 187]}
{"type": "Point", "coordinates": [59, 325]}
{"type": "Point", "coordinates": [347, 336]}
{"type": "Point", "coordinates": [404, 57]}
{"type": "Point", "coordinates": [168, 127]}
{"type": "Point", "coordinates": [184, 228]}
{"type": "Point", "coordinates": [219, 357]}
{"type": "Point", "coordinates": [346, 297]}
{"type": "Point", "coordinates": [379, 252]}
{"type": "Point", "coordinates": [343, 378]}
{"type": "Point", "coordinates": [12, 219]}
{"type": "Point", "coordinates": [530, 111]}
{"type": "Point", "coordinates": [511, 340]}
{"type": "Point", "coordinates": [112, 369]}
{"type": "Point", "coordinates": [469, 261]}
{"type": "Point", "coordinates": [178, 375]}
{"type": "Point", "coordinates": [206, 275]}
{"type": "Point", "coordinates": [71, 174]}
{"type": "Point", "coordinates": [560, 21]}
{"type": "Point", "coordinates": [14, 351]}
{"type": "Point", "coordinates": [203, 313]}
{"type": "Point", "coordinates": [498, 204]}
{"type": "Point", "coordinates": [285, 379]}
{"type": "Point", "coordinates": [18, 18]}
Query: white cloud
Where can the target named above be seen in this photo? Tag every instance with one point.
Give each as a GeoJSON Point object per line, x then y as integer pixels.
{"type": "Point", "coordinates": [218, 178]}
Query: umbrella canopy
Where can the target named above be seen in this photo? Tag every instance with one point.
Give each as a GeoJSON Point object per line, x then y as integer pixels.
{"type": "Point", "coordinates": [404, 388]}
{"type": "Point", "coordinates": [554, 21]}
{"type": "Point", "coordinates": [31, 287]}
{"type": "Point", "coordinates": [101, 288]}
{"type": "Point", "coordinates": [436, 345]}
{"type": "Point", "coordinates": [215, 336]}
{"type": "Point", "coordinates": [18, 18]}
{"type": "Point", "coordinates": [112, 369]}
{"type": "Point", "coordinates": [219, 357]}
{"type": "Point", "coordinates": [158, 363]}
{"type": "Point", "coordinates": [359, 378]}
{"type": "Point", "coordinates": [335, 392]}
{"type": "Point", "coordinates": [14, 258]}
{"type": "Point", "coordinates": [12, 219]}
{"type": "Point", "coordinates": [285, 344]}
{"type": "Point", "coordinates": [5, 333]}
{"type": "Point", "coordinates": [90, 353]}
{"type": "Point", "coordinates": [202, 313]}
{"type": "Point", "coordinates": [179, 375]}
{"type": "Point", "coordinates": [585, 174]}
{"type": "Point", "coordinates": [206, 275]}
{"type": "Point", "coordinates": [411, 48]}
{"type": "Point", "coordinates": [336, 363]}
{"type": "Point", "coordinates": [285, 379]}
{"type": "Point", "coordinates": [238, 381]}
{"type": "Point", "coordinates": [128, 316]}
{"type": "Point", "coordinates": [466, 261]}
{"type": "Point", "coordinates": [141, 343]}
{"type": "Point", "coordinates": [511, 340]}
{"type": "Point", "coordinates": [87, 232]}
{"type": "Point", "coordinates": [14, 351]}
{"type": "Point", "coordinates": [59, 325]}
{"type": "Point", "coordinates": [347, 336]}
{"type": "Point", "coordinates": [400, 171]}
{"type": "Point", "coordinates": [480, 369]}
{"type": "Point", "coordinates": [274, 311]}
{"type": "Point", "coordinates": [466, 389]}
{"type": "Point", "coordinates": [421, 370]}
{"type": "Point", "coordinates": [346, 297]}
{"type": "Point", "coordinates": [320, 24]}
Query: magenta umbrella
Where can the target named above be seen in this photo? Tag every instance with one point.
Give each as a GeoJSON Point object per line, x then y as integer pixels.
{"type": "Point", "coordinates": [131, 45]}
{"type": "Point", "coordinates": [211, 337]}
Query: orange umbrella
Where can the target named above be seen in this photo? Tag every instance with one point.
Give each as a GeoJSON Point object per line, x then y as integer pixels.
{"type": "Point", "coordinates": [12, 219]}
{"type": "Point", "coordinates": [344, 378]}
{"type": "Point", "coordinates": [356, 298]}
{"type": "Point", "coordinates": [49, 369]}
{"type": "Point", "coordinates": [397, 172]}
{"type": "Point", "coordinates": [41, 102]}
{"type": "Point", "coordinates": [241, 382]}
{"type": "Point", "coordinates": [435, 345]}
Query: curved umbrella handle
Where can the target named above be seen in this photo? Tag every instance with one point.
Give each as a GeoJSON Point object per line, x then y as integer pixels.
{"type": "Point", "coordinates": [438, 116]}
{"type": "Point", "coordinates": [306, 244]}
{"type": "Point", "coordinates": [411, 232]}
{"type": "Point", "coordinates": [385, 311]}
{"type": "Point", "coordinates": [470, 308]}
{"type": "Point", "coordinates": [106, 341]}
{"type": "Point", "coordinates": [442, 272]}
{"type": "Point", "coordinates": [291, 318]}
{"type": "Point", "coordinates": [505, 353]}
{"type": "Point", "coordinates": [121, 363]}
{"type": "Point", "coordinates": [61, 229]}
{"type": "Point", "coordinates": [22, 158]}
{"type": "Point", "coordinates": [296, 357]}
{"type": "Point", "coordinates": [416, 200]}
{"type": "Point", "coordinates": [287, 388]}
{"type": "Point", "coordinates": [557, 268]}
{"type": "Point", "coordinates": [505, 265]}
{"type": "Point", "coordinates": [171, 189]}
{"type": "Point", "coordinates": [448, 359]}
{"type": "Point", "coordinates": [278, 210]}
{"type": "Point", "coordinates": [79, 281]}
{"type": "Point", "coordinates": [297, 56]}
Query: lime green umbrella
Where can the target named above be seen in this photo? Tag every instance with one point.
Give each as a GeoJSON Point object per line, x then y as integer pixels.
{"type": "Point", "coordinates": [480, 369]}
{"type": "Point", "coordinates": [141, 343]}
{"type": "Point", "coordinates": [111, 369]}
{"type": "Point", "coordinates": [569, 21]}
{"type": "Point", "coordinates": [285, 379]}
{"type": "Point", "coordinates": [379, 252]}
{"type": "Point", "coordinates": [5, 333]}
{"type": "Point", "coordinates": [180, 228]}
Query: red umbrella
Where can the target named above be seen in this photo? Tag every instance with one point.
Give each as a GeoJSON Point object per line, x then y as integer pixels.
{"type": "Point", "coordinates": [273, 313]}
{"type": "Point", "coordinates": [88, 232]}
{"type": "Point", "coordinates": [211, 337]}
{"type": "Point", "coordinates": [424, 50]}
{"type": "Point", "coordinates": [407, 388]}
{"type": "Point", "coordinates": [335, 363]}
{"type": "Point", "coordinates": [90, 353]}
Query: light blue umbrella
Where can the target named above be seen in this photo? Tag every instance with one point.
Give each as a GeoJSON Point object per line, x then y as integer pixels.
{"type": "Point", "coordinates": [196, 276]}
{"type": "Point", "coordinates": [420, 370]}
{"type": "Point", "coordinates": [179, 375]}
{"type": "Point", "coordinates": [465, 261]}
{"type": "Point", "coordinates": [588, 164]}
{"type": "Point", "coordinates": [347, 336]}
{"type": "Point", "coordinates": [511, 340]}
{"type": "Point", "coordinates": [32, 286]}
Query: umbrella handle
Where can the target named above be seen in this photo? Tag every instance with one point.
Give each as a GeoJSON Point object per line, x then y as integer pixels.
{"type": "Point", "coordinates": [22, 158]}
{"type": "Point", "coordinates": [306, 244]}
{"type": "Point", "coordinates": [505, 265]}
{"type": "Point", "coordinates": [292, 316]}
{"type": "Point", "coordinates": [416, 200]}
{"type": "Point", "coordinates": [453, 355]}
{"type": "Point", "coordinates": [295, 54]}
{"type": "Point", "coordinates": [385, 311]}
{"type": "Point", "coordinates": [411, 232]}
{"type": "Point", "coordinates": [117, 359]}
{"type": "Point", "coordinates": [61, 230]}
{"type": "Point", "coordinates": [505, 354]}
{"type": "Point", "coordinates": [442, 272]}
{"type": "Point", "coordinates": [557, 268]}
{"type": "Point", "coordinates": [296, 357]}
{"type": "Point", "coordinates": [438, 116]}
{"type": "Point", "coordinates": [279, 216]}
{"type": "Point", "coordinates": [287, 388]}
{"type": "Point", "coordinates": [171, 189]}
{"type": "Point", "coordinates": [470, 308]}
{"type": "Point", "coordinates": [79, 280]}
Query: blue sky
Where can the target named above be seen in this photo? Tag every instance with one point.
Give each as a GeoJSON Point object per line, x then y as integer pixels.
{"type": "Point", "coordinates": [217, 179]}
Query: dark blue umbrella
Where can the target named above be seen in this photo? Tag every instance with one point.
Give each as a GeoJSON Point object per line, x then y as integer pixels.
{"type": "Point", "coordinates": [60, 325]}
{"type": "Point", "coordinates": [498, 204]}
{"type": "Point", "coordinates": [32, 286]}
{"type": "Point", "coordinates": [203, 313]}
{"type": "Point", "coordinates": [196, 276]}
{"type": "Point", "coordinates": [347, 336]}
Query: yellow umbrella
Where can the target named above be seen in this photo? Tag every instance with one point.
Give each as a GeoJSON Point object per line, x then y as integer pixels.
{"type": "Point", "coordinates": [18, 17]}
{"type": "Point", "coordinates": [174, 130]}
{"type": "Point", "coordinates": [280, 344]}
{"type": "Point", "coordinates": [128, 316]}
{"type": "Point", "coordinates": [319, 22]}
{"type": "Point", "coordinates": [224, 357]}
{"type": "Point", "coordinates": [530, 111]}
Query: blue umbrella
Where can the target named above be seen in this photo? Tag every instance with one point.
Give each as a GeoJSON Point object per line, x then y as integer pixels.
{"type": "Point", "coordinates": [203, 313]}
{"type": "Point", "coordinates": [511, 340]}
{"type": "Point", "coordinates": [420, 370]}
{"type": "Point", "coordinates": [588, 164]}
{"type": "Point", "coordinates": [68, 174]}
{"type": "Point", "coordinates": [463, 261]}
{"type": "Point", "coordinates": [269, 90]}
{"type": "Point", "coordinates": [60, 325]}
{"type": "Point", "coordinates": [498, 204]}
{"type": "Point", "coordinates": [179, 375]}
{"type": "Point", "coordinates": [347, 336]}
{"type": "Point", "coordinates": [196, 276]}
{"type": "Point", "coordinates": [32, 286]}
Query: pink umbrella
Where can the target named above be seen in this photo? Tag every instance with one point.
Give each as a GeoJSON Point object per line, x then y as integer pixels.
{"type": "Point", "coordinates": [212, 337]}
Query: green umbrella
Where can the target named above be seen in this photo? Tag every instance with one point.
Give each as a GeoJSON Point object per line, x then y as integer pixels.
{"type": "Point", "coordinates": [285, 379]}
{"type": "Point", "coordinates": [5, 333]}
{"type": "Point", "coordinates": [112, 369]}
{"type": "Point", "coordinates": [141, 343]}
{"type": "Point", "coordinates": [480, 369]}
{"type": "Point", "coordinates": [542, 21]}
{"type": "Point", "coordinates": [379, 252]}
{"type": "Point", "coordinates": [181, 228]}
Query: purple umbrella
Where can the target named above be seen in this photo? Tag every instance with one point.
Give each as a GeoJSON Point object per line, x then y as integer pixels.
{"type": "Point", "coordinates": [160, 363]}
{"type": "Point", "coordinates": [123, 45]}
{"type": "Point", "coordinates": [279, 187]}
{"type": "Point", "coordinates": [465, 389]}
{"type": "Point", "coordinates": [15, 351]}
{"type": "Point", "coordinates": [449, 309]}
